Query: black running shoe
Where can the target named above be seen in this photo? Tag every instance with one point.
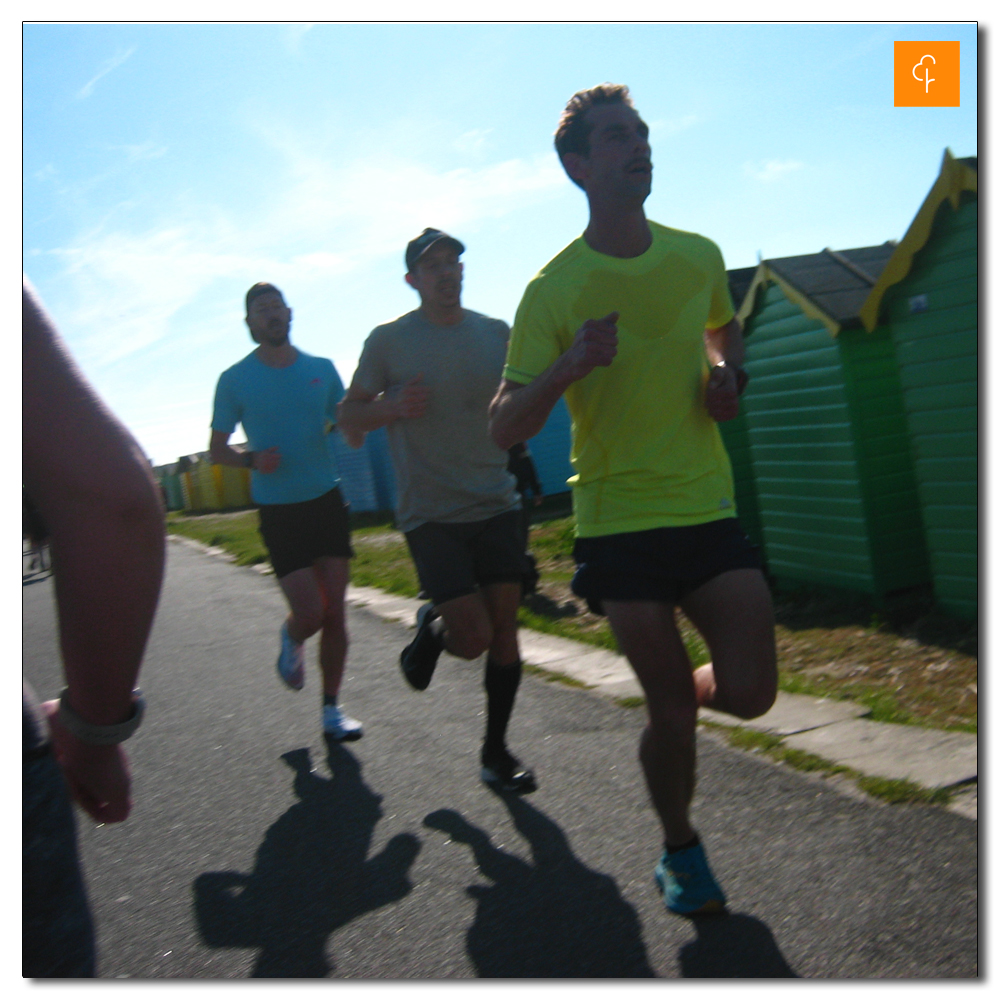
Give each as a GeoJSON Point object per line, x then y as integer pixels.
{"type": "Point", "coordinates": [420, 658]}
{"type": "Point", "coordinates": [504, 771]}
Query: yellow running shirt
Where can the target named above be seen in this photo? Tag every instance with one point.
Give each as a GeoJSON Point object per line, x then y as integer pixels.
{"type": "Point", "coordinates": [645, 450]}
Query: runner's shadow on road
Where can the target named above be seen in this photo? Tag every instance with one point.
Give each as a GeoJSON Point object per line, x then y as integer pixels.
{"type": "Point", "coordinates": [733, 946]}
{"type": "Point", "coordinates": [552, 917]}
{"type": "Point", "coordinates": [312, 874]}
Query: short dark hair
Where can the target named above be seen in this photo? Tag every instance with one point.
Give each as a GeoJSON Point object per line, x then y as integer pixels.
{"type": "Point", "coordinates": [573, 131]}
{"type": "Point", "coordinates": [262, 288]}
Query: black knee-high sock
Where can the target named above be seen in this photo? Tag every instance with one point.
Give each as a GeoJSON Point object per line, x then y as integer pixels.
{"type": "Point", "coordinates": [501, 687]}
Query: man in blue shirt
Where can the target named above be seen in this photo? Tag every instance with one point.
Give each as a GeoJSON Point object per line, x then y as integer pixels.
{"type": "Point", "coordinates": [285, 399]}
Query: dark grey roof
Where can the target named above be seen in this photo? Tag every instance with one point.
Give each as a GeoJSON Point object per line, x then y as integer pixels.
{"type": "Point", "coordinates": [837, 281]}
{"type": "Point", "coordinates": [740, 279]}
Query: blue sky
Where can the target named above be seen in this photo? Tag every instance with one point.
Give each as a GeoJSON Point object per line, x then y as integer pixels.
{"type": "Point", "coordinates": [168, 167]}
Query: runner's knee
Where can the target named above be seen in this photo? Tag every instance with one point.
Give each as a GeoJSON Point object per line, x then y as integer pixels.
{"type": "Point", "coordinates": [308, 620]}
{"type": "Point", "coordinates": [671, 722]}
{"type": "Point", "coordinates": [467, 640]}
{"type": "Point", "coordinates": [750, 704]}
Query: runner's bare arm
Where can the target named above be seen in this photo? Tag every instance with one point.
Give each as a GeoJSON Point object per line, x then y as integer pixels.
{"type": "Point", "coordinates": [221, 453]}
{"type": "Point", "coordinates": [519, 411]}
{"type": "Point", "coordinates": [725, 344]}
{"type": "Point", "coordinates": [360, 412]}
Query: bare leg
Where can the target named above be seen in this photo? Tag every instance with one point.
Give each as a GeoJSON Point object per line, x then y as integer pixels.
{"type": "Point", "coordinates": [502, 600]}
{"type": "Point", "coordinates": [332, 573]}
{"type": "Point", "coordinates": [468, 628]}
{"type": "Point", "coordinates": [305, 602]}
{"type": "Point", "coordinates": [733, 612]}
{"type": "Point", "coordinates": [647, 634]}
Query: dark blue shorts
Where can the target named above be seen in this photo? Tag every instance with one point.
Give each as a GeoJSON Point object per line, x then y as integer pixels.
{"type": "Point", "coordinates": [661, 564]}
{"type": "Point", "coordinates": [297, 534]}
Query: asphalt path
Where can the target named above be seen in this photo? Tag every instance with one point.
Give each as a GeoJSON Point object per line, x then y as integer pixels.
{"type": "Point", "coordinates": [255, 849]}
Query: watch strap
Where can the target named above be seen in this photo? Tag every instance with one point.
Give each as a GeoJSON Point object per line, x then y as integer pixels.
{"type": "Point", "coordinates": [88, 732]}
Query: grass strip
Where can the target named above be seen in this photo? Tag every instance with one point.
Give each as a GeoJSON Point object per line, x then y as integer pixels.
{"type": "Point", "coordinates": [553, 676]}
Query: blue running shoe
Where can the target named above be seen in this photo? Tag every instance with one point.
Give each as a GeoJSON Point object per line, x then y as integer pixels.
{"type": "Point", "coordinates": [687, 883]}
{"type": "Point", "coordinates": [291, 661]}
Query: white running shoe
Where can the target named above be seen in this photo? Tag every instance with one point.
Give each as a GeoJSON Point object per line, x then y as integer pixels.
{"type": "Point", "coordinates": [291, 661]}
{"type": "Point", "coordinates": [340, 726]}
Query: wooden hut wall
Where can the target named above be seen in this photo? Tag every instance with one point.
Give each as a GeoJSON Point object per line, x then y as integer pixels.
{"type": "Point", "coordinates": [812, 509]}
{"type": "Point", "coordinates": [933, 318]}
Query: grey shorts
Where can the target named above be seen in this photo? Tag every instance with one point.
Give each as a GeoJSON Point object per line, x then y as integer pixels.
{"type": "Point", "coordinates": [452, 560]}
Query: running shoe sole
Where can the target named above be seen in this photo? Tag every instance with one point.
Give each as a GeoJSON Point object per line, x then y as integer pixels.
{"type": "Point", "coordinates": [417, 663]}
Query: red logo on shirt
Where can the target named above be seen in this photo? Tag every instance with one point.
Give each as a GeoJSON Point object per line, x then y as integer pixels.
{"type": "Point", "coordinates": [315, 381]}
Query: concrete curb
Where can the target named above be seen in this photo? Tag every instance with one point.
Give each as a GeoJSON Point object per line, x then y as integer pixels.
{"type": "Point", "coordinates": [834, 730]}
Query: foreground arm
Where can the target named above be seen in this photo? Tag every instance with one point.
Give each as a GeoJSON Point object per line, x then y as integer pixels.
{"type": "Point", "coordinates": [519, 412]}
{"type": "Point", "coordinates": [93, 487]}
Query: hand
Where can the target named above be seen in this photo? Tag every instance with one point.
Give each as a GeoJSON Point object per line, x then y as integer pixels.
{"type": "Point", "coordinates": [410, 399]}
{"type": "Point", "coordinates": [97, 776]}
{"type": "Point", "coordinates": [595, 345]}
{"type": "Point", "coordinates": [721, 396]}
{"type": "Point", "coordinates": [267, 461]}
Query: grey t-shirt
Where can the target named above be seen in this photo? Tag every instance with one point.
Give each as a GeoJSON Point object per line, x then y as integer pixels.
{"type": "Point", "coordinates": [448, 468]}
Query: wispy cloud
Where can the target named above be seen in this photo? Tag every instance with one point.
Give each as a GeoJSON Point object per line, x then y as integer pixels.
{"type": "Point", "coordinates": [770, 170]}
{"type": "Point", "coordinates": [329, 220]}
{"type": "Point", "coordinates": [141, 151]}
{"type": "Point", "coordinates": [665, 127]}
{"type": "Point", "coordinates": [294, 33]}
{"type": "Point", "coordinates": [113, 63]}
{"type": "Point", "coordinates": [473, 141]}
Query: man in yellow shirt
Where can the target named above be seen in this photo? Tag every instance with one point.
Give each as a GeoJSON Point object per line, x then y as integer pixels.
{"type": "Point", "coordinates": [653, 490]}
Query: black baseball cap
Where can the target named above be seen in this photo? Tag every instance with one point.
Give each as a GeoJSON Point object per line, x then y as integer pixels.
{"type": "Point", "coordinates": [416, 248]}
{"type": "Point", "coordinates": [262, 288]}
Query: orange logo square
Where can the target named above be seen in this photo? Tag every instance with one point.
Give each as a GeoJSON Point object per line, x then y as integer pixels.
{"type": "Point", "coordinates": [925, 75]}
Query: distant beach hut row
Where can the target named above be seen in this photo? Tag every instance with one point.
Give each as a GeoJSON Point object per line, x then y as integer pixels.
{"type": "Point", "coordinates": [368, 483]}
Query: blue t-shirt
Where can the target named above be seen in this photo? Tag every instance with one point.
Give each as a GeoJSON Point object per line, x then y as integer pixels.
{"type": "Point", "coordinates": [288, 408]}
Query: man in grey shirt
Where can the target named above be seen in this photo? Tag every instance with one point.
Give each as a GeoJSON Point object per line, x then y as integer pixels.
{"type": "Point", "coordinates": [429, 377]}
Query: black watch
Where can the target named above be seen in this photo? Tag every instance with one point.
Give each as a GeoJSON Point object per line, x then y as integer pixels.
{"type": "Point", "coordinates": [741, 376]}
{"type": "Point", "coordinates": [248, 459]}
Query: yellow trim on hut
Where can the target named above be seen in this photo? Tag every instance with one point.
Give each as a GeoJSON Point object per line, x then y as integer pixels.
{"type": "Point", "coordinates": [765, 276]}
{"type": "Point", "coordinates": [954, 178]}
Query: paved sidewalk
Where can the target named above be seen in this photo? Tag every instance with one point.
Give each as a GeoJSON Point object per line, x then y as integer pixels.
{"type": "Point", "coordinates": [834, 730]}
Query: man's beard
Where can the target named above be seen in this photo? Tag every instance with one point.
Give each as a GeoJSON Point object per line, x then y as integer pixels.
{"type": "Point", "coordinates": [275, 336]}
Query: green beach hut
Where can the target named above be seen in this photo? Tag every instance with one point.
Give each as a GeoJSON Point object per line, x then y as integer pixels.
{"type": "Point", "coordinates": [927, 299]}
{"type": "Point", "coordinates": [835, 486]}
{"type": "Point", "coordinates": [736, 436]}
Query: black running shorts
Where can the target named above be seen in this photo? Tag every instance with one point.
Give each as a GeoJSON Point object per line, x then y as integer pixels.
{"type": "Point", "coordinates": [297, 534]}
{"type": "Point", "coordinates": [453, 559]}
{"type": "Point", "coordinates": [661, 564]}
